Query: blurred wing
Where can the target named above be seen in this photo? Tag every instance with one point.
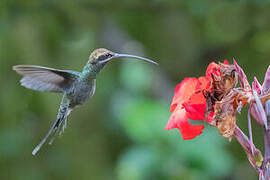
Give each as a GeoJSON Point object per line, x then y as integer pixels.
{"type": "Point", "coordinates": [45, 79]}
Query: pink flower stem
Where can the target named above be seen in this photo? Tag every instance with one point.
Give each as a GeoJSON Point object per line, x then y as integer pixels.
{"type": "Point", "coordinates": [248, 147]}
{"type": "Point", "coordinates": [266, 163]}
{"type": "Point", "coordinates": [250, 133]}
{"type": "Point", "coordinates": [260, 109]}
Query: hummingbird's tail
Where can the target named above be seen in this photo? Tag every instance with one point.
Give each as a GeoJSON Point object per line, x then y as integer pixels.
{"type": "Point", "coordinates": [58, 126]}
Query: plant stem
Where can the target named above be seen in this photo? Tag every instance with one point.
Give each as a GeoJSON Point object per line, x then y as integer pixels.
{"type": "Point", "coordinates": [253, 154]}
{"type": "Point", "coordinates": [266, 163]}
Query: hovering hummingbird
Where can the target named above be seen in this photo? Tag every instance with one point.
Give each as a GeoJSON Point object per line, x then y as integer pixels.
{"type": "Point", "coordinates": [76, 87]}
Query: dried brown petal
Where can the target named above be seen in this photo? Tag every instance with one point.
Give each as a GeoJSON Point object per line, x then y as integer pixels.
{"type": "Point", "coordinates": [229, 76]}
{"type": "Point", "coordinates": [227, 126]}
{"type": "Point", "coordinates": [225, 118]}
{"type": "Point", "coordinates": [222, 85]}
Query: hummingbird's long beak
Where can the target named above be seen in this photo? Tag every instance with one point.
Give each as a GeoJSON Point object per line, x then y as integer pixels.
{"type": "Point", "coordinates": [116, 55]}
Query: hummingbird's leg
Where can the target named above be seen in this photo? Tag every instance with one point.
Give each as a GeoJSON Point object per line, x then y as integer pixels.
{"type": "Point", "coordinates": [64, 126]}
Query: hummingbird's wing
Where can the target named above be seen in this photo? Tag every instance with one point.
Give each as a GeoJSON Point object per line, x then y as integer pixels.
{"type": "Point", "coordinates": [45, 79]}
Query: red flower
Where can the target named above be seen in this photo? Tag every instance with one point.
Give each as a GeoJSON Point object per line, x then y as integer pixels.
{"type": "Point", "coordinates": [189, 103]}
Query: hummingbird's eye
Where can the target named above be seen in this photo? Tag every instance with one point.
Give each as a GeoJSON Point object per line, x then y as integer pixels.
{"type": "Point", "coordinates": [105, 56]}
{"type": "Point", "coordinates": [109, 55]}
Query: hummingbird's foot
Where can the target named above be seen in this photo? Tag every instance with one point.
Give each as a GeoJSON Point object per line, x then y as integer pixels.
{"type": "Point", "coordinates": [64, 123]}
{"type": "Point", "coordinates": [64, 126]}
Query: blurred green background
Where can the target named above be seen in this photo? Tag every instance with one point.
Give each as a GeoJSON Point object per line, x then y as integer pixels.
{"type": "Point", "coordinates": [119, 134]}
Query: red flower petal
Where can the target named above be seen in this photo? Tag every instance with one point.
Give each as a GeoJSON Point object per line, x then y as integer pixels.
{"type": "Point", "coordinates": [197, 97]}
{"type": "Point", "coordinates": [204, 83]}
{"type": "Point", "coordinates": [178, 115]}
{"type": "Point", "coordinates": [210, 118]}
{"type": "Point", "coordinates": [189, 103]}
{"type": "Point", "coordinates": [189, 131]}
{"type": "Point", "coordinates": [226, 62]}
{"type": "Point", "coordinates": [213, 68]}
{"type": "Point", "coordinates": [195, 111]}
{"type": "Point", "coordinates": [183, 91]}
{"type": "Point", "coordinates": [179, 120]}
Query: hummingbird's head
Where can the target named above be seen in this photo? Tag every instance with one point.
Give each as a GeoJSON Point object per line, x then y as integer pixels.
{"type": "Point", "coordinates": [102, 56]}
{"type": "Point", "coordinates": [99, 55]}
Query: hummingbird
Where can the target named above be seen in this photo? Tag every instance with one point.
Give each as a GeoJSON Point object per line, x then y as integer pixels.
{"type": "Point", "coordinates": [76, 87]}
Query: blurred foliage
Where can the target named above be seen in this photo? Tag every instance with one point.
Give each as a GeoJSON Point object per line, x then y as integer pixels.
{"type": "Point", "coordinates": [119, 133]}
